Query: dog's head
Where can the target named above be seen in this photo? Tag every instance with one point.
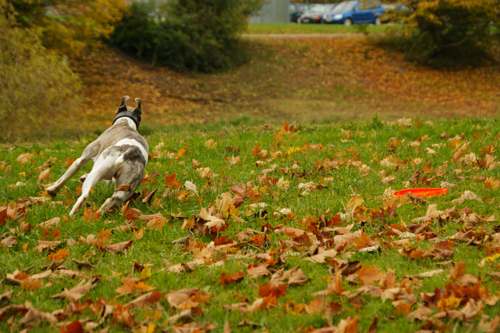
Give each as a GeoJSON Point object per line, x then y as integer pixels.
{"type": "Point", "coordinates": [127, 111]}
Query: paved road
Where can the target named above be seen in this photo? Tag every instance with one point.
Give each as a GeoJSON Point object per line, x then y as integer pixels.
{"type": "Point", "coordinates": [299, 35]}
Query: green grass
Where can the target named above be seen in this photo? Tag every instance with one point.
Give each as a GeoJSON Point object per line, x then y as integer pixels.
{"type": "Point", "coordinates": [368, 139]}
{"type": "Point", "coordinates": [293, 28]}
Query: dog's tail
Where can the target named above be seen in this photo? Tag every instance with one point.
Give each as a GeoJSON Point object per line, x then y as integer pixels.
{"type": "Point", "coordinates": [129, 154]}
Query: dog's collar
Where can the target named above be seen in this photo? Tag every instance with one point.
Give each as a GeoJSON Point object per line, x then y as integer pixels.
{"type": "Point", "coordinates": [128, 114]}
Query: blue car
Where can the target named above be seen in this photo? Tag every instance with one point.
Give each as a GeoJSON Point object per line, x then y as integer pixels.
{"type": "Point", "coordinates": [352, 12]}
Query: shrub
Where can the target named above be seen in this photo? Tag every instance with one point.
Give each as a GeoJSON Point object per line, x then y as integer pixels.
{"type": "Point", "coordinates": [200, 35]}
{"type": "Point", "coordinates": [448, 32]}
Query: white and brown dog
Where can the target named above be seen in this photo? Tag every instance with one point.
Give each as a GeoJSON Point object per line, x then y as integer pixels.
{"type": "Point", "coordinates": [119, 154]}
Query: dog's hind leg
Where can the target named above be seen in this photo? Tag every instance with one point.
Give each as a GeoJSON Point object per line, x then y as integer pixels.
{"type": "Point", "coordinates": [87, 156]}
{"type": "Point", "coordinates": [116, 200]}
{"type": "Point", "coordinates": [92, 179]}
{"type": "Point", "coordinates": [130, 172]}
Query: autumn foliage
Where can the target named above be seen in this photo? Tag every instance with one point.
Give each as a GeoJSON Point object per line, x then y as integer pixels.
{"type": "Point", "coordinates": [450, 32]}
{"type": "Point", "coordinates": [197, 35]}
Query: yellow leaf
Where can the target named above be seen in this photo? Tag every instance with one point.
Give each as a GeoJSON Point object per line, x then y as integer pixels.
{"type": "Point", "coordinates": [146, 272]}
{"type": "Point", "coordinates": [492, 258]}
{"type": "Point", "coordinates": [211, 144]}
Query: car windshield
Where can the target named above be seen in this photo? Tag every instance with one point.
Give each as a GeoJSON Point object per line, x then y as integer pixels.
{"type": "Point", "coordinates": [322, 8]}
{"type": "Point", "coordinates": [345, 6]}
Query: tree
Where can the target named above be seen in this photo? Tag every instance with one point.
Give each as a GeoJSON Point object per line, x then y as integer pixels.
{"type": "Point", "coordinates": [38, 91]}
{"type": "Point", "coordinates": [69, 25]}
{"type": "Point", "coordinates": [444, 32]}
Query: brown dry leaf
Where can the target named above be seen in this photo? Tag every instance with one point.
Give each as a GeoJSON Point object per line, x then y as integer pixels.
{"type": "Point", "coordinates": [34, 315]}
{"type": "Point", "coordinates": [118, 247]}
{"type": "Point", "coordinates": [50, 223]}
{"type": "Point", "coordinates": [44, 175]}
{"type": "Point", "coordinates": [336, 286]}
{"type": "Point", "coordinates": [138, 235]}
{"type": "Point", "coordinates": [8, 241]}
{"type": "Point", "coordinates": [147, 218]}
{"type": "Point", "coordinates": [425, 274]}
{"type": "Point", "coordinates": [294, 277]}
{"type": "Point", "coordinates": [79, 290]}
{"type": "Point", "coordinates": [148, 196]}
{"type": "Point", "coordinates": [144, 300]}
{"type": "Point", "coordinates": [181, 299]}
{"type": "Point", "coordinates": [121, 315]}
{"type": "Point", "coordinates": [157, 223]}
{"type": "Point", "coordinates": [421, 314]}
{"type": "Point", "coordinates": [458, 271]}
{"type": "Point", "coordinates": [24, 158]}
{"type": "Point", "coordinates": [321, 257]}
{"type": "Point", "coordinates": [130, 213]}
{"type": "Point", "coordinates": [258, 271]}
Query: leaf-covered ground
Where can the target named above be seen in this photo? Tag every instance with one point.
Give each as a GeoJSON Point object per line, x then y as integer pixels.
{"type": "Point", "coordinates": [292, 79]}
{"type": "Point", "coordinates": [262, 228]}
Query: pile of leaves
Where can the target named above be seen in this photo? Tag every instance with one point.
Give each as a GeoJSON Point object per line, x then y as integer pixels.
{"type": "Point", "coordinates": [291, 228]}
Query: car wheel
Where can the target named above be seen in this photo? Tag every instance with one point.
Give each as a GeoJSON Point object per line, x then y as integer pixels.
{"type": "Point", "coordinates": [348, 22]}
{"type": "Point", "coordinates": [378, 21]}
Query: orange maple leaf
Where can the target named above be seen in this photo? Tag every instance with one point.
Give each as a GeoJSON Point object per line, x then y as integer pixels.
{"type": "Point", "coordinates": [91, 214]}
{"type": "Point", "coordinates": [272, 289]}
{"type": "Point", "coordinates": [170, 181]}
{"type": "Point", "coordinates": [181, 152]}
{"type": "Point", "coordinates": [370, 274]}
{"type": "Point", "coordinates": [61, 254]}
{"type": "Point", "coordinates": [236, 277]}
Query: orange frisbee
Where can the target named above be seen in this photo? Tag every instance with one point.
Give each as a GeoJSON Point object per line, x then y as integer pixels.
{"type": "Point", "coordinates": [422, 192]}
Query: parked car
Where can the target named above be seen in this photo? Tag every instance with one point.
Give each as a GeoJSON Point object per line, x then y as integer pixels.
{"type": "Point", "coordinates": [297, 9]}
{"type": "Point", "coordinates": [394, 12]}
{"type": "Point", "coordinates": [315, 14]}
{"type": "Point", "coordinates": [352, 12]}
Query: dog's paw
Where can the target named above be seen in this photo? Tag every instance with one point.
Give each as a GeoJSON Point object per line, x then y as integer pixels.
{"type": "Point", "coordinates": [52, 191]}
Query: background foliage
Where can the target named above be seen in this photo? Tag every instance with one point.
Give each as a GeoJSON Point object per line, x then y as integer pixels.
{"type": "Point", "coordinates": [193, 34]}
{"type": "Point", "coordinates": [449, 32]}
{"type": "Point", "coordinates": [37, 88]}
{"type": "Point", "coordinates": [70, 26]}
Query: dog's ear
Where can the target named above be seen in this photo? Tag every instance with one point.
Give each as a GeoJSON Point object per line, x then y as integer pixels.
{"type": "Point", "coordinates": [137, 109]}
{"type": "Point", "coordinates": [123, 105]}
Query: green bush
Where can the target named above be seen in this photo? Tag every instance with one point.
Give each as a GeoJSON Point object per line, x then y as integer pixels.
{"type": "Point", "coordinates": [448, 32]}
{"type": "Point", "coordinates": [200, 35]}
{"type": "Point", "coordinates": [37, 88]}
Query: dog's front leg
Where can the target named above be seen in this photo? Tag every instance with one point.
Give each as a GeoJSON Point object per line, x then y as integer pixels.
{"type": "Point", "coordinates": [87, 156]}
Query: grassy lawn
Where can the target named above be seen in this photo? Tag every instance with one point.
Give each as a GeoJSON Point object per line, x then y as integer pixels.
{"type": "Point", "coordinates": [309, 189]}
{"type": "Point", "coordinates": [293, 28]}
